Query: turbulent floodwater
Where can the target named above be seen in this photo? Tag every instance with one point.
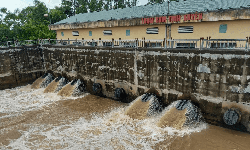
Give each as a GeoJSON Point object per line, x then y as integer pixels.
{"type": "Point", "coordinates": [32, 119]}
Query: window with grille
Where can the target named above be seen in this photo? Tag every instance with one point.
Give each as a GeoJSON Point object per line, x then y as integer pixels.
{"type": "Point", "coordinates": [107, 32]}
{"type": "Point", "coordinates": [127, 32]}
{"type": "Point", "coordinates": [62, 33]}
{"type": "Point", "coordinates": [90, 33]}
{"type": "Point", "coordinates": [223, 28]}
{"type": "Point", "coordinates": [75, 33]}
{"type": "Point", "coordinates": [185, 29]}
{"type": "Point", "coordinates": [154, 30]}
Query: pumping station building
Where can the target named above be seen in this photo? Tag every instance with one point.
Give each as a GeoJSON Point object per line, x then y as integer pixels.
{"type": "Point", "coordinates": [182, 22]}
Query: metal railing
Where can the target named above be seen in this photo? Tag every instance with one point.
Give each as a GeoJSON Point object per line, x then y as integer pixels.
{"type": "Point", "coordinates": [226, 43]}
{"type": "Point", "coordinates": [182, 43]}
{"type": "Point", "coordinates": [136, 43]}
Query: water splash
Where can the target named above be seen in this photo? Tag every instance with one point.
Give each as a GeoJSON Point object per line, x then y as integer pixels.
{"type": "Point", "coordinates": [47, 80]}
{"type": "Point", "coordinates": [144, 107]}
{"type": "Point", "coordinates": [114, 130]}
{"type": "Point", "coordinates": [62, 82]}
{"type": "Point", "coordinates": [79, 88]}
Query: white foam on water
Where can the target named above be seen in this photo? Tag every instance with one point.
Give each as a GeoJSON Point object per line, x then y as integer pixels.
{"type": "Point", "coordinates": [115, 130]}
{"type": "Point", "coordinates": [25, 99]}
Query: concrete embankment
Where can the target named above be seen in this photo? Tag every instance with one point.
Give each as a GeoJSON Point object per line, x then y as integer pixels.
{"type": "Point", "coordinates": [217, 80]}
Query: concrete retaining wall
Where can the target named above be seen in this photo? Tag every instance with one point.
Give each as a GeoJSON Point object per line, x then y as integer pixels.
{"type": "Point", "coordinates": [215, 79]}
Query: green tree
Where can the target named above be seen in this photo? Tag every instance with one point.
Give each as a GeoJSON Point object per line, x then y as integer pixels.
{"type": "Point", "coordinates": [93, 5]}
{"type": "Point", "coordinates": [29, 23]}
{"type": "Point", "coordinates": [56, 15]}
{"type": "Point", "coordinates": [82, 7]}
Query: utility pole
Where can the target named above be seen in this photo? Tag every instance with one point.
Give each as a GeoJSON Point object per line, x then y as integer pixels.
{"type": "Point", "coordinates": [167, 26]}
{"type": "Point", "coordinates": [47, 15]}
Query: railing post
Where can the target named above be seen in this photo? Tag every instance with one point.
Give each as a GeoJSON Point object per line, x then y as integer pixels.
{"type": "Point", "coordinates": [201, 46]}
{"type": "Point", "coordinates": [144, 42]}
{"type": "Point", "coordinates": [119, 42]}
{"type": "Point", "coordinates": [246, 43]}
{"type": "Point", "coordinates": [135, 42]}
{"type": "Point", "coordinates": [99, 42]}
{"type": "Point", "coordinates": [172, 43]}
{"type": "Point", "coordinates": [112, 42]}
{"type": "Point", "coordinates": [165, 43]}
{"type": "Point", "coordinates": [49, 40]}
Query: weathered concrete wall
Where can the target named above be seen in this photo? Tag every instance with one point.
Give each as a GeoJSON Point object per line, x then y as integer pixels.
{"type": "Point", "coordinates": [216, 73]}
{"type": "Point", "coordinates": [216, 79]}
{"type": "Point", "coordinates": [19, 66]}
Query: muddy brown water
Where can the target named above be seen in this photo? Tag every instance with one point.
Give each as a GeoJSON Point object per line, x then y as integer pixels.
{"type": "Point", "coordinates": [173, 118]}
{"type": "Point", "coordinates": [138, 110]}
{"type": "Point", "coordinates": [119, 130]}
{"type": "Point", "coordinates": [67, 90]}
{"type": "Point", "coordinates": [51, 87]}
{"type": "Point", "coordinates": [37, 83]}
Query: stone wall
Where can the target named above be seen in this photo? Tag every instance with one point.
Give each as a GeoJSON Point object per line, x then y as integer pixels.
{"type": "Point", "coordinates": [20, 66]}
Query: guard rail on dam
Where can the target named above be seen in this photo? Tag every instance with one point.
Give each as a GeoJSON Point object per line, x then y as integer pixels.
{"type": "Point", "coordinates": [215, 80]}
{"type": "Point", "coordinates": [146, 43]}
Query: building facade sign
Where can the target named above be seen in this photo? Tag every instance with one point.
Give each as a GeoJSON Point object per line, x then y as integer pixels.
{"type": "Point", "coordinates": [176, 18]}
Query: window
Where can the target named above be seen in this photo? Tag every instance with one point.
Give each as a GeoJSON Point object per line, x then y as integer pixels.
{"type": "Point", "coordinates": [223, 28]}
{"type": "Point", "coordinates": [127, 32]}
{"type": "Point", "coordinates": [154, 30]}
{"type": "Point", "coordinates": [90, 33]}
{"type": "Point", "coordinates": [75, 33]}
{"type": "Point", "coordinates": [185, 29]}
{"type": "Point", "coordinates": [62, 33]}
{"type": "Point", "coordinates": [107, 32]}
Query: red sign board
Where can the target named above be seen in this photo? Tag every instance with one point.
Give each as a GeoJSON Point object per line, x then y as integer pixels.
{"type": "Point", "coordinates": [176, 18]}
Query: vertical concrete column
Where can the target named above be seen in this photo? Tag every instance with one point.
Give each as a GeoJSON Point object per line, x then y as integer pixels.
{"type": "Point", "coordinates": [119, 42]}
{"type": "Point", "coordinates": [135, 70]}
{"type": "Point", "coordinates": [68, 41]}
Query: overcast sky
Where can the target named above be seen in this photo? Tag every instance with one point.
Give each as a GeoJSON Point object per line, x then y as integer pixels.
{"type": "Point", "coordinates": [13, 4]}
